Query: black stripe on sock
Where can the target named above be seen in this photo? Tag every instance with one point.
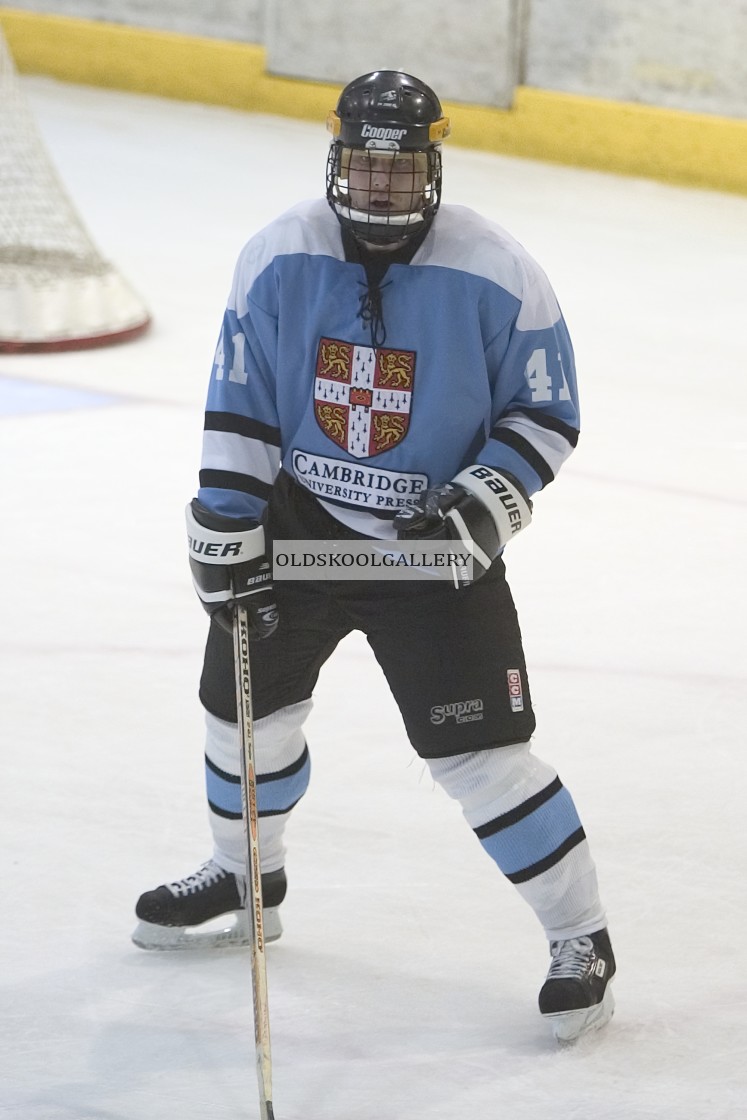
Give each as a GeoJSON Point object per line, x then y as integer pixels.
{"type": "Point", "coordinates": [225, 813]}
{"type": "Point", "coordinates": [545, 864]}
{"type": "Point", "coordinates": [222, 773]}
{"type": "Point", "coordinates": [520, 812]}
{"type": "Point", "coordinates": [278, 812]}
{"type": "Point", "coordinates": [288, 772]}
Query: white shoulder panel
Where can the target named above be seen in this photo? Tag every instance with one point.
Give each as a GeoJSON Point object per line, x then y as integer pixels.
{"type": "Point", "coordinates": [464, 240]}
{"type": "Point", "coordinates": [309, 227]}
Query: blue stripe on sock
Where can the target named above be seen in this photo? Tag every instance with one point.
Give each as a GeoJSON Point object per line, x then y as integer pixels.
{"type": "Point", "coordinates": [534, 837]}
{"type": "Point", "coordinates": [223, 790]}
{"type": "Point", "coordinates": [275, 793]}
{"type": "Point", "coordinates": [278, 795]}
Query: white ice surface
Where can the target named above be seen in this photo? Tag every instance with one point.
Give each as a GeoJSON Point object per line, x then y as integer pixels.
{"type": "Point", "coordinates": [406, 982]}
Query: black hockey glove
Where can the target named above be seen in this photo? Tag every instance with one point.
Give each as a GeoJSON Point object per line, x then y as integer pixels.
{"type": "Point", "coordinates": [229, 566]}
{"type": "Point", "coordinates": [480, 507]}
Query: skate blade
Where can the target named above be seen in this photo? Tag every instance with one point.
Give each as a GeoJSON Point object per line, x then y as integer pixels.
{"type": "Point", "coordinates": [229, 931]}
{"type": "Point", "coordinates": [567, 1026]}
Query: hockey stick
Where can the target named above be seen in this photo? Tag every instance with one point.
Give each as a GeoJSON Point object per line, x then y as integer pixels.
{"type": "Point", "coordinates": [254, 874]}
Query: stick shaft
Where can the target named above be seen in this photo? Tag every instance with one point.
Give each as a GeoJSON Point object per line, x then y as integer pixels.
{"type": "Point", "coordinates": [254, 870]}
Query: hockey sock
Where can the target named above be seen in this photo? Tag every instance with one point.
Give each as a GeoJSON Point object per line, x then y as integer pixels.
{"type": "Point", "coordinates": [283, 768]}
{"type": "Point", "coordinates": [526, 821]}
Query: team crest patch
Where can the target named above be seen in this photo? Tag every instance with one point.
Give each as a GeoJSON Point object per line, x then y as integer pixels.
{"type": "Point", "coordinates": [362, 396]}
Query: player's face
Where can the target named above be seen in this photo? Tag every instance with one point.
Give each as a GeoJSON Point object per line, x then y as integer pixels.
{"type": "Point", "coordinates": [387, 182]}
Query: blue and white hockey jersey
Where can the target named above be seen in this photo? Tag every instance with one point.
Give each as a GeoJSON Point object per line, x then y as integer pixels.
{"type": "Point", "coordinates": [477, 367]}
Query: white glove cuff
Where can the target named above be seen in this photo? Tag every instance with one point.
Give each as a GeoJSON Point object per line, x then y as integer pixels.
{"type": "Point", "coordinates": [211, 547]}
{"type": "Point", "coordinates": [508, 507]}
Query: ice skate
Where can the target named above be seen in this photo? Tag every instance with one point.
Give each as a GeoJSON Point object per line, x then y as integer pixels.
{"type": "Point", "coordinates": [576, 996]}
{"type": "Point", "coordinates": [206, 910]}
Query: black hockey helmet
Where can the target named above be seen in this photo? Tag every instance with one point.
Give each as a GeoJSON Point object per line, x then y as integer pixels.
{"type": "Point", "coordinates": [386, 119]}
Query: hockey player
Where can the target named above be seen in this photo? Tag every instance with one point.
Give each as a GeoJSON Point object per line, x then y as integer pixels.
{"type": "Point", "coordinates": [387, 367]}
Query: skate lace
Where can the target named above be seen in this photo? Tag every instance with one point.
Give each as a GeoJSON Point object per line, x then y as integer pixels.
{"type": "Point", "coordinates": [571, 959]}
{"type": "Point", "coordinates": [208, 874]}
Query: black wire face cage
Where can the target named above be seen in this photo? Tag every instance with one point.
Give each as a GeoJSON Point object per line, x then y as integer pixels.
{"type": "Point", "coordinates": [382, 196]}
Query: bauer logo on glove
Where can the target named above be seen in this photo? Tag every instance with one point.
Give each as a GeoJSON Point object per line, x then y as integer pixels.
{"type": "Point", "coordinates": [481, 507]}
{"type": "Point", "coordinates": [229, 566]}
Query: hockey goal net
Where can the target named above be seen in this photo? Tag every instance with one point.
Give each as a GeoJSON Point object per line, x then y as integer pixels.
{"type": "Point", "coordinates": [57, 292]}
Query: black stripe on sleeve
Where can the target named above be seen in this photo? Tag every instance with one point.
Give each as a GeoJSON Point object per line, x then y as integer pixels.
{"type": "Point", "coordinates": [232, 480]}
{"type": "Point", "coordinates": [545, 864]}
{"type": "Point", "coordinates": [544, 420]}
{"type": "Point", "coordinates": [242, 426]}
{"type": "Point", "coordinates": [514, 815]}
{"type": "Point", "coordinates": [524, 448]}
